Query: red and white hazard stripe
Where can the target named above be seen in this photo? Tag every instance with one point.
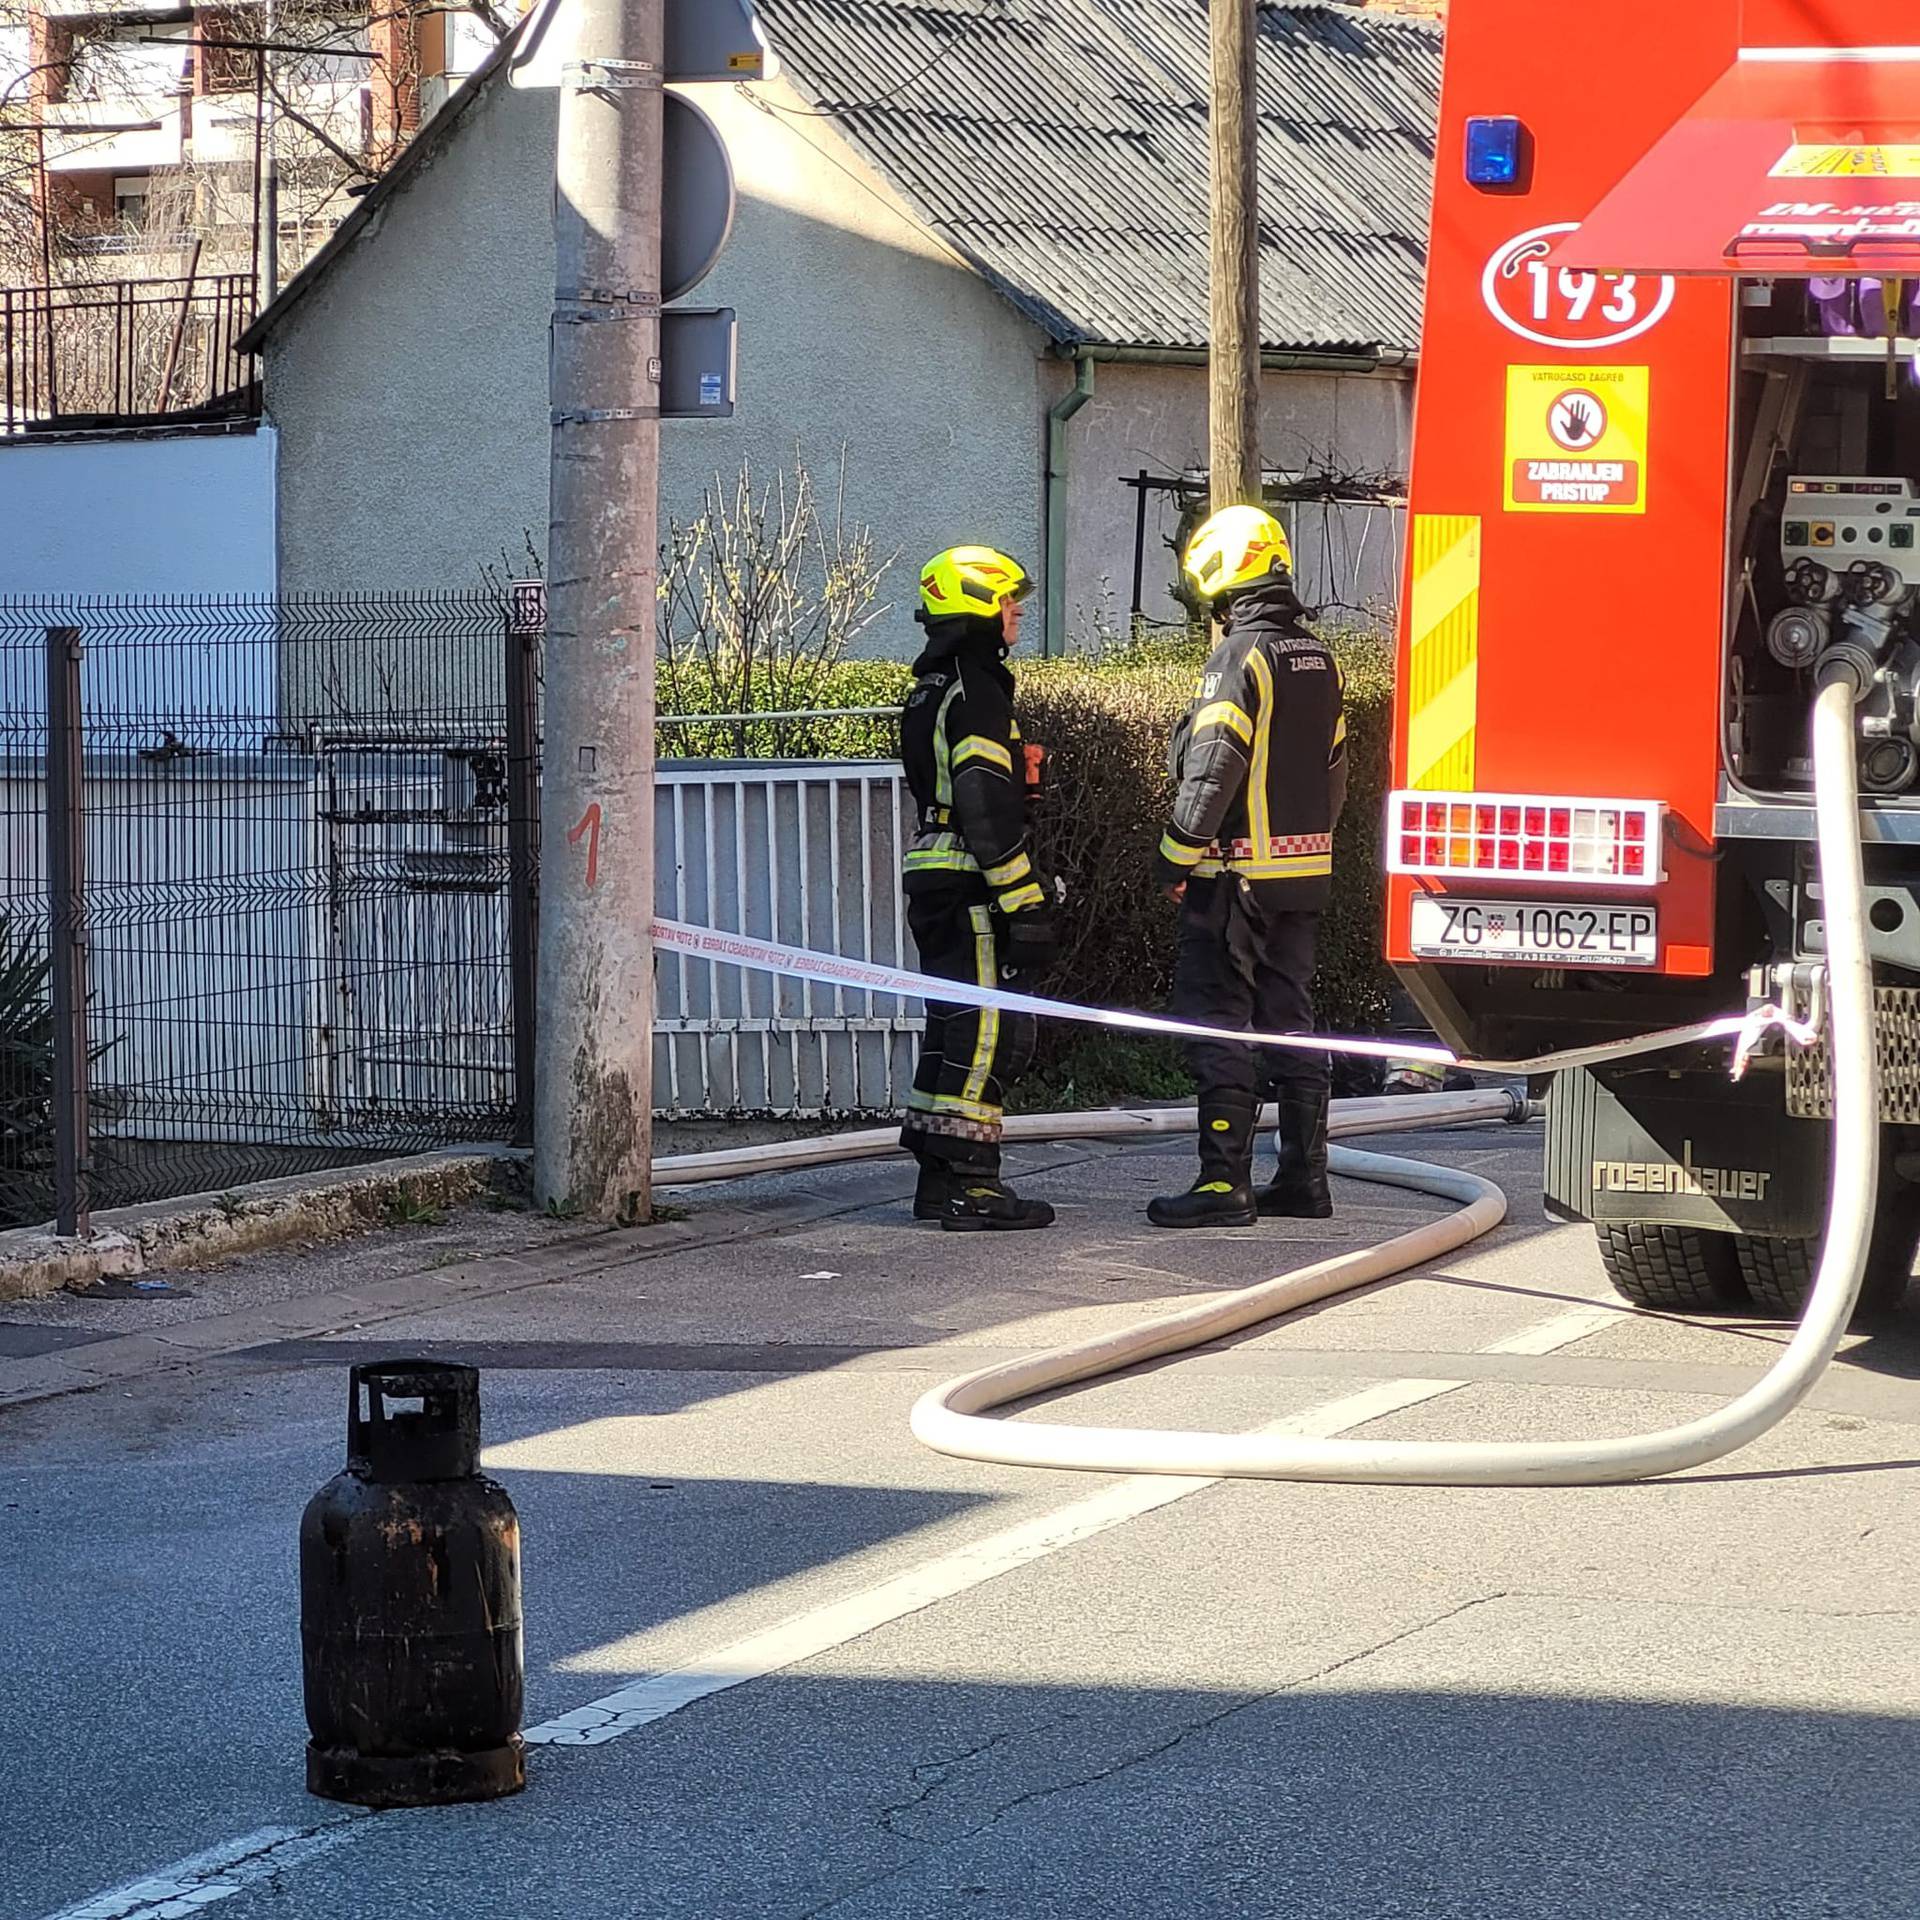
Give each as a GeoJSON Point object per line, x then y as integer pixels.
{"type": "Point", "coordinates": [803, 963]}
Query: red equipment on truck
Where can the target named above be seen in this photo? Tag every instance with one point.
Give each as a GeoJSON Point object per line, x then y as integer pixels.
{"type": "Point", "coordinates": [1666, 479]}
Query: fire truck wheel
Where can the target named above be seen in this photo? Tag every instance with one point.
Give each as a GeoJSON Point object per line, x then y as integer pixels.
{"type": "Point", "coordinates": [1779, 1273]}
{"type": "Point", "coordinates": [1674, 1269]}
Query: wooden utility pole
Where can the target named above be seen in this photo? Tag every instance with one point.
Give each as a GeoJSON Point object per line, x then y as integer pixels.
{"type": "Point", "coordinates": [593, 1114]}
{"type": "Point", "coordinates": [1235, 283]}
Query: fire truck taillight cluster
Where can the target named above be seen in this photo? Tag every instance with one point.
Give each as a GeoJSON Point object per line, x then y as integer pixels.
{"type": "Point", "coordinates": [1505, 836]}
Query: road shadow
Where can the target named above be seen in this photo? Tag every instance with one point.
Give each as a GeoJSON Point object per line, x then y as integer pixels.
{"type": "Point", "coordinates": [905, 1799]}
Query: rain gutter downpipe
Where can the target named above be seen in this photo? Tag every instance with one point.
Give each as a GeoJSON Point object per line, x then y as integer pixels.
{"type": "Point", "coordinates": [1055, 638]}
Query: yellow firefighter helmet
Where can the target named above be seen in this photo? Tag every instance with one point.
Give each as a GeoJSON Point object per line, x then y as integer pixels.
{"type": "Point", "coordinates": [1237, 547]}
{"type": "Point", "coordinates": [974, 580]}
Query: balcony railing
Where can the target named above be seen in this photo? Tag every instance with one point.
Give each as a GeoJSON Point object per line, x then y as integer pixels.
{"type": "Point", "coordinates": [126, 353]}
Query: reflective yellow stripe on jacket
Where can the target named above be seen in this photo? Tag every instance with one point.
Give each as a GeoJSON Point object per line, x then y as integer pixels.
{"type": "Point", "coordinates": [939, 853]}
{"type": "Point", "coordinates": [942, 753]}
{"type": "Point", "coordinates": [1223, 713]}
{"type": "Point", "coordinates": [977, 747]}
{"type": "Point", "coordinates": [1259, 798]}
{"type": "Point", "coordinates": [1302, 866]}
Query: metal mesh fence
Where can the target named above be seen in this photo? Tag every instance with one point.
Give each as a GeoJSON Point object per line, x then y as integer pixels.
{"type": "Point", "coordinates": [293, 841]}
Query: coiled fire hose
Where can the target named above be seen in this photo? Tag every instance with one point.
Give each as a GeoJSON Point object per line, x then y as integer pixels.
{"type": "Point", "coordinates": [952, 1418]}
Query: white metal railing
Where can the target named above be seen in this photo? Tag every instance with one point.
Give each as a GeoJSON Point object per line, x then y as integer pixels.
{"type": "Point", "coordinates": [346, 961]}
{"type": "Point", "coordinates": [803, 852]}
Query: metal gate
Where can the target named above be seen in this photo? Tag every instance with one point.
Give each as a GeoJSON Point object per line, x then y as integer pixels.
{"type": "Point", "coordinates": [413, 1007]}
{"type": "Point", "coordinates": [803, 852]}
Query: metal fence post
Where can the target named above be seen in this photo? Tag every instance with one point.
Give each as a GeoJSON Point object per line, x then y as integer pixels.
{"type": "Point", "coordinates": [1139, 541]}
{"type": "Point", "coordinates": [526, 629]}
{"type": "Point", "coordinates": [67, 944]}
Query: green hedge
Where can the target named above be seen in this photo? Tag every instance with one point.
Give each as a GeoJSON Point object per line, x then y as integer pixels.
{"type": "Point", "coordinates": [1105, 720]}
{"type": "Point", "coordinates": [851, 684]}
{"type": "Point", "coordinates": [1106, 723]}
{"type": "Point", "coordinates": [26, 1080]}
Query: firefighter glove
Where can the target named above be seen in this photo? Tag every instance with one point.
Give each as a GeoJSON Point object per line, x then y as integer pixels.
{"type": "Point", "coordinates": [1029, 944]}
{"type": "Point", "coordinates": [1173, 865]}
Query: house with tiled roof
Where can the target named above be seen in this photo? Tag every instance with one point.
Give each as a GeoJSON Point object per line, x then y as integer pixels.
{"type": "Point", "coordinates": [970, 255]}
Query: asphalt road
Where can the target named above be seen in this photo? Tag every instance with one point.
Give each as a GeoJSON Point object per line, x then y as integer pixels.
{"type": "Point", "coordinates": [1690, 1698]}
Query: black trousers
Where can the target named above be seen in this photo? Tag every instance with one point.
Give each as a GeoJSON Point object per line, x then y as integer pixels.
{"type": "Point", "coordinates": [1242, 963]}
{"type": "Point", "coordinates": [970, 1056]}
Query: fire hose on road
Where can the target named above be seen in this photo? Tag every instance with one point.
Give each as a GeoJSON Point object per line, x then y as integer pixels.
{"type": "Point", "coordinates": [953, 1418]}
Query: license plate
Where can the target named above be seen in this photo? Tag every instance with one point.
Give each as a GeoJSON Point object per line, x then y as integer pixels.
{"type": "Point", "coordinates": [1532, 931]}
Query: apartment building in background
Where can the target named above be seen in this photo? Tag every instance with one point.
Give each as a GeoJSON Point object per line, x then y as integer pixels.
{"type": "Point", "coordinates": [165, 169]}
{"type": "Point", "coordinates": [158, 125]}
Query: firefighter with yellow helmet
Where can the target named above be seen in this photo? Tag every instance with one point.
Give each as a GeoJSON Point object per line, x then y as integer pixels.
{"type": "Point", "coordinates": [977, 907]}
{"type": "Point", "coordinates": [1259, 763]}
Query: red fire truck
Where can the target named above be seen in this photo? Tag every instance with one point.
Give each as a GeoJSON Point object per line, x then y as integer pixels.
{"type": "Point", "coordinates": [1666, 477]}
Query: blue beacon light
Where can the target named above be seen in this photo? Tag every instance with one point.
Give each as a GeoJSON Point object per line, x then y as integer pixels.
{"type": "Point", "coordinates": [1495, 151]}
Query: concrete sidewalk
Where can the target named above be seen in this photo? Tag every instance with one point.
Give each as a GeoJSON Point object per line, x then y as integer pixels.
{"type": "Point", "coordinates": [979, 1691]}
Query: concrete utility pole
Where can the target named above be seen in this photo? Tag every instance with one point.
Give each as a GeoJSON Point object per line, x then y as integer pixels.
{"type": "Point", "coordinates": [1235, 361]}
{"type": "Point", "coordinates": [593, 1113]}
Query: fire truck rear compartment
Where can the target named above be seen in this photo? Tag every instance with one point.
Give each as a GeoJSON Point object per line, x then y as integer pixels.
{"type": "Point", "coordinates": [1705, 1195]}
{"type": "Point", "coordinates": [1824, 578]}
{"type": "Point", "coordinates": [1825, 534]}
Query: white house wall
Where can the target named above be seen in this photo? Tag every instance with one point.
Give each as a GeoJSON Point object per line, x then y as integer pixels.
{"type": "Point", "coordinates": [857, 328]}
{"type": "Point", "coordinates": [188, 514]}
{"type": "Point", "coordinates": [1155, 418]}
{"type": "Point", "coordinates": [410, 387]}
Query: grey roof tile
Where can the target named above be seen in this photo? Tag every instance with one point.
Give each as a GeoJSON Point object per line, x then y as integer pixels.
{"type": "Point", "coordinates": [1061, 146]}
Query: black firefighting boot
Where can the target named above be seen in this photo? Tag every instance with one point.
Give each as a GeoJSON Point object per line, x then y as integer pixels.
{"type": "Point", "coordinates": [1299, 1190]}
{"type": "Point", "coordinates": [976, 1200]}
{"type": "Point", "coordinates": [938, 1183]}
{"type": "Point", "coordinates": [1223, 1195]}
{"type": "Point", "coordinates": [930, 1191]}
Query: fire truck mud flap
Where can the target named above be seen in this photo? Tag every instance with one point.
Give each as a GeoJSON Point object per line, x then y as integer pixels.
{"type": "Point", "coordinates": [1690, 1148]}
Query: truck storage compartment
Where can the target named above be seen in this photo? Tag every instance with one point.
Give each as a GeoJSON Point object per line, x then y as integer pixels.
{"type": "Point", "coordinates": [1825, 545]}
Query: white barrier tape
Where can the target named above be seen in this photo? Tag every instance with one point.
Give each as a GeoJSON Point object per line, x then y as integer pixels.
{"type": "Point", "coordinates": [866, 976]}
{"type": "Point", "coordinates": [1765, 1020]}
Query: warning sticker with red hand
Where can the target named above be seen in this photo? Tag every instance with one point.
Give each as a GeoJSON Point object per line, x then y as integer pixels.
{"type": "Point", "coordinates": [1577, 439]}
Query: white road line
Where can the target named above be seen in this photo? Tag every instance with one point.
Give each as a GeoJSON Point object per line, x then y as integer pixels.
{"type": "Point", "coordinates": [1549, 1336]}
{"type": "Point", "coordinates": [821, 1629]}
{"type": "Point", "coordinates": [203, 1878]}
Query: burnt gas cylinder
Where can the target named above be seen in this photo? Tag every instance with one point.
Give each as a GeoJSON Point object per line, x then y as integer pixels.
{"type": "Point", "coordinates": [410, 1601]}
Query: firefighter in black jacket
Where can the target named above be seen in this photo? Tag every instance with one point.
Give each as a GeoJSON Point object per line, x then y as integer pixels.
{"type": "Point", "coordinates": [977, 908]}
{"type": "Point", "coordinates": [1260, 766]}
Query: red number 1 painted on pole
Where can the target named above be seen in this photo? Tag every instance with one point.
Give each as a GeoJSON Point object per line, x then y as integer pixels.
{"type": "Point", "coordinates": [590, 827]}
